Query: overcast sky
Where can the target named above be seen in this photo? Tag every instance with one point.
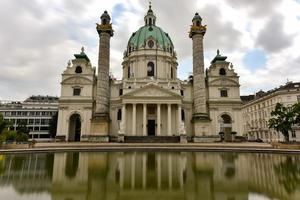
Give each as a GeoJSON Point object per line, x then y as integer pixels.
{"type": "Point", "coordinates": [38, 37]}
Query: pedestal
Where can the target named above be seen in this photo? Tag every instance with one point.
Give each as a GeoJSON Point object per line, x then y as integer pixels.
{"type": "Point", "coordinates": [99, 129]}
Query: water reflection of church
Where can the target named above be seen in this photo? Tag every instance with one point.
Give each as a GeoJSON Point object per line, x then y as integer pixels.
{"type": "Point", "coordinates": [148, 175]}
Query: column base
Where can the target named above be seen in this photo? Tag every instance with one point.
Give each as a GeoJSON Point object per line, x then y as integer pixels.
{"type": "Point", "coordinates": [100, 125]}
{"type": "Point", "coordinates": [60, 138]}
{"type": "Point", "coordinates": [183, 138]}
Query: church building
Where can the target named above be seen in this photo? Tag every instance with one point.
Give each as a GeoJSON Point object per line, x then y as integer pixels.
{"type": "Point", "coordinates": [150, 103]}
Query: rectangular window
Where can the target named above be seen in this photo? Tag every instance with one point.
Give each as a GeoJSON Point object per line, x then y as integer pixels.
{"type": "Point", "coordinates": [76, 91]}
{"type": "Point", "coordinates": [120, 92]}
{"type": "Point", "coordinates": [224, 93]}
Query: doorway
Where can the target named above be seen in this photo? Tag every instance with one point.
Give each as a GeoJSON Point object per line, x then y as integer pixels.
{"type": "Point", "coordinates": [74, 128]}
{"type": "Point", "coordinates": [151, 127]}
{"type": "Point", "coordinates": [226, 127]}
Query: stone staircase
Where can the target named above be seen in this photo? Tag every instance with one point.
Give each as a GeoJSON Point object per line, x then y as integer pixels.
{"type": "Point", "coordinates": [152, 139]}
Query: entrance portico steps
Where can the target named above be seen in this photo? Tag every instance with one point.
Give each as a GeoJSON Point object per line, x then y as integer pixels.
{"type": "Point", "coordinates": [152, 139]}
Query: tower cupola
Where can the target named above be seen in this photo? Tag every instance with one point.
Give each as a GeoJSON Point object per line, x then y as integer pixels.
{"type": "Point", "coordinates": [150, 18]}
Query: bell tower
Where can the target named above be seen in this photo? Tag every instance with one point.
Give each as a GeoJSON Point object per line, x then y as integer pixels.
{"type": "Point", "coordinates": [200, 111]}
{"type": "Point", "coordinates": [100, 121]}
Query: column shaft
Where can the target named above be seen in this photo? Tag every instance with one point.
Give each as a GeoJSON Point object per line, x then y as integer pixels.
{"type": "Point", "coordinates": [158, 120]}
{"type": "Point", "coordinates": [144, 119]}
{"type": "Point", "coordinates": [169, 120]}
{"type": "Point", "coordinates": [133, 119]}
{"type": "Point", "coordinates": [124, 117]}
{"type": "Point", "coordinates": [179, 118]}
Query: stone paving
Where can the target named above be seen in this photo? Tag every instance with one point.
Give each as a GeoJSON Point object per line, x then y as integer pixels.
{"type": "Point", "coordinates": [201, 147]}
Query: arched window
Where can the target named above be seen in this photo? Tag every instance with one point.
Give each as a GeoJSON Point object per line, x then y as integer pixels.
{"type": "Point", "coordinates": [222, 72]}
{"type": "Point", "coordinates": [150, 21]}
{"type": "Point", "coordinates": [150, 69]}
{"type": "Point", "coordinates": [78, 70]}
{"type": "Point", "coordinates": [197, 23]}
{"type": "Point", "coordinates": [104, 21]}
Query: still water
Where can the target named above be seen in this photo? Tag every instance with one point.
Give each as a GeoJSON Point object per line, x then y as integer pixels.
{"type": "Point", "coordinates": [149, 175]}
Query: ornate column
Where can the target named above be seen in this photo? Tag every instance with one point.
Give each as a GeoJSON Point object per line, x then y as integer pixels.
{"type": "Point", "coordinates": [179, 118]}
{"type": "Point", "coordinates": [134, 119]}
{"type": "Point", "coordinates": [158, 120]}
{"type": "Point", "coordinates": [169, 120]}
{"type": "Point", "coordinates": [100, 120]}
{"type": "Point", "coordinates": [200, 112]}
{"type": "Point", "coordinates": [144, 119]}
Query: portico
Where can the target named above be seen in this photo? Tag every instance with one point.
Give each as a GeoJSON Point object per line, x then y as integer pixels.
{"type": "Point", "coordinates": [151, 111]}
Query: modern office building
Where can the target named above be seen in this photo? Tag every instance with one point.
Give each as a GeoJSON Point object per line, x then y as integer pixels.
{"type": "Point", "coordinates": [36, 112]}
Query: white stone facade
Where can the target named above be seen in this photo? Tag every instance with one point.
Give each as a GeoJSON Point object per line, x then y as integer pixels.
{"type": "Point", "coordinates": [149, 100]}
{"type": "Point", "coordinates": [257, 112]}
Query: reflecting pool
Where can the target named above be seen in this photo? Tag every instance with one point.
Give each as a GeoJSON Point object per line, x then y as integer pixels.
{"type": "Point", "coordinates": [149, 175]}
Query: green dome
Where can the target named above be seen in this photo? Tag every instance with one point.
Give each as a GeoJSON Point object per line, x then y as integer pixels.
{"type": "Point", "coordinates": [140, 37]}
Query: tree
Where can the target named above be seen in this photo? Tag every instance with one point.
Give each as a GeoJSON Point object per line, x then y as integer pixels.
{"type": "Point", "coordinates": [3, 123]}
{"type": "Point", "coordinates": [53, 125]}
{"type": "Point", "coordinates": [282, 119]}
{"type": "Point", "coordinates": [296, 109]}
{"type": "Point", "coordinates": [22, 127]}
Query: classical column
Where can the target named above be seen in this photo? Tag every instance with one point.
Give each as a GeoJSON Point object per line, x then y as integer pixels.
{"type": "Point", "coordinates": [179, 118]}
{"type": "Point", "coordinates": [158, 120]}
{"type": "Point", "coordinates": [169, 120]}
{"type": "Point", "coordinates": [144, 119]}
{"type": "Point", "coordinates": [124, 117]}
{"type": "Point", "coordinates": [134, 119]}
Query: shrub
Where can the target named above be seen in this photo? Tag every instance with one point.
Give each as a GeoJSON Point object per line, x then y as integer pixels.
{"type": "Point", "coordinates": [10, 135]}
{"type": "Point", "coordinates": [22, 137]}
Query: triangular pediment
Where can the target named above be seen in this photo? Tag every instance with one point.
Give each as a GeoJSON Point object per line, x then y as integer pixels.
{"type": "Point", "coordinates": [152, 91]}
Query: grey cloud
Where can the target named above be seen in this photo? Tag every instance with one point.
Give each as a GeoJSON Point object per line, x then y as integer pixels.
{"type": "Point", "coordinates": [272, 37]}
{"type": "Point", "coordinates": [220, 34]}
{"type": "Point", "coordinates": [256, 8]}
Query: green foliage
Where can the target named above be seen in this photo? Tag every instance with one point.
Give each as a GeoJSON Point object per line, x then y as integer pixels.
{"type": "Point", "coordinates": [296, 108]}
{"type": "Point", "coordinates": [10, 135]}
{"type": "Point", "coordinates": [3, 123]}
{"type": "Point", "coordinates": [22, 137]}
{"type": "Point", "coordinates": [22, 127]}
{"type": "Point", "coordinates": [283, 118]}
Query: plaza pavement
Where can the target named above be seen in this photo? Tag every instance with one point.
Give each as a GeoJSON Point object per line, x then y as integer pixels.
{"type": "Point", "coordinates": [246, 147]}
